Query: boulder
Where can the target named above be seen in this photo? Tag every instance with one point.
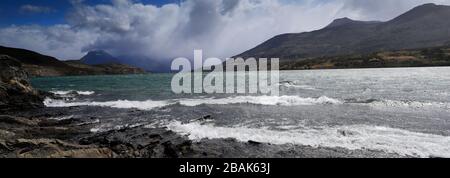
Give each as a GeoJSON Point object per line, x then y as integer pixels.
{"type": "Point", "coordinates": [16, 92]}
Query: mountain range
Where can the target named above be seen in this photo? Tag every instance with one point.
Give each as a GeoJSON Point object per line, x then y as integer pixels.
{"type": "Point", "coordinates": [422, 28]}
{"type": "Point", "coordinates": [425, 26]}
{"type": "Point", "coordinates": [419, 37]}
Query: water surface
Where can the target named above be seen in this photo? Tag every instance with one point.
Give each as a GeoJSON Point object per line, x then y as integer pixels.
{"type": "Point", "coordinates": [397, 110]}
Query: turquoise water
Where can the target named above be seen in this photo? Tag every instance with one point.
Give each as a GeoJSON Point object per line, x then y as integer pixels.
{"type": "Point", "coordinates": [111, 87]}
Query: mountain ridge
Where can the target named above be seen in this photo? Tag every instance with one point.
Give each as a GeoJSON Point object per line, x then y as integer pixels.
{"type": "Point", "coordinates": [423, 26]}
{"type": "Point", "coordinates": [96, 57]}
{"type": "Point", "coordinates": [39, 65]}
{"type": "Point", "coordinates": [347, 21]}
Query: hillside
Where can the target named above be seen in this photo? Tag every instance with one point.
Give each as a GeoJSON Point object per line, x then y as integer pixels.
{"type": "Point", "coordinates": [422, 27]}
{"type": "Point", "coordinates": [439, 56]}
{"type": "Point", "coordinates": [106, 69]}
{"type": "Point", "coordinates": [41, 65]}
{"type": "Point", "coordinates": [98, 57]}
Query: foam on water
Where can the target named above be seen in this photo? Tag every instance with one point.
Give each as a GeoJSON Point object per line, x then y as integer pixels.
{"type": "Point", "coordinates": [262, 100]}
{"type": "Point", "coordinates": [150, 104]}
{"type": "Point", "coordinates": [67, 92]}
{"type": "Point", "coordinates": [62, 118]}
{"type": "Point", "coordinates": [257, 100]}
{"type": "Point", "coordinates": [123, 104]}
{"type": "Point", "coordinates": [85, 92]}
{"type": "Point", "coordinates": [108, 127]}
{"type": "Point", "coordinates": [289, 84]}
{"type": "Point", "coordinates": [408, 104]}
{"type": "Point", "coordinates": [391, 140]}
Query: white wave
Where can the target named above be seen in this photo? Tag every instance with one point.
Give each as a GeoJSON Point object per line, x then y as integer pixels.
{"type": "Point", "coordinates": [261, 100]}
{"type": "Point", "coordinates": [150, 104]}
{"type": "Point", "coordinates": [352, 137]}
{"type": "Point", "coordinates": [60, 92]}
{"type": "Point", "coordinates": [89, 122]}
{"type": "Point", "coordinates": [124, 104]}
{"type": "Point", "coordinates": [295, 85]}
{"type": "Point", "coordinates": [85, 92]}
{"type": "Point", "coordinates": [62, 118]}
{"type": "Point", "coordinates": [409, 104]}
{"type": "Point", "coordinates": [109, 127]}
{"type": "Point", "coordinates": [68, 92]}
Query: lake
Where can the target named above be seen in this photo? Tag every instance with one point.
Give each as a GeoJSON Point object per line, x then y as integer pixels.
{"type": "Point", "coordinates": [397, 110]}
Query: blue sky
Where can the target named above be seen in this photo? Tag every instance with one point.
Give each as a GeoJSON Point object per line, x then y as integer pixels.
{"type": "Point", "coordinates": [12, 13]}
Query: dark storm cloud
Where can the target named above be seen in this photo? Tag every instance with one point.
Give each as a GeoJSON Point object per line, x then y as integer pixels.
{"type": "Point", "coordinates": [229, 6]}
{"type": "Point", "coordinates": [204, 17]}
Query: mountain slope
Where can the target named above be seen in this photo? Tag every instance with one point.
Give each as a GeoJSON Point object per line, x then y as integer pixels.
{"type": "Point", "coordinates": [41, 65]}
{"type": "Point", "coordinates": [103, 58]}
{"type": "Point", "coordinates": [421, 27]}
{"type": "Point", "coordinates": [99, 57]}
{"type": "Point", "coordinates": [425, 57]}
{"type": "Point", "coordinates": [31, 57]}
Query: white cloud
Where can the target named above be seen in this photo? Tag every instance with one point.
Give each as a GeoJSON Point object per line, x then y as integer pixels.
{"type": "Point", "coordinates": [222, 28]}
{"type": "Point", "coordinates": [60, 40]}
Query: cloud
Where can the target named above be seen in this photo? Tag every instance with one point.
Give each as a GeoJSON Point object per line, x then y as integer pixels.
{"type": "Point", "coordinates": [60, 41]}
{"type": "Point", "coordinates": [28, 8]}
{"type": "Point", "coordinates": [222, 28]}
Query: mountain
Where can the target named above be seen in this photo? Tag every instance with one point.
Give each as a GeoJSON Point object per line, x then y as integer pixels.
{"type": "Point", "coordinates": [158, 66]}
{"type": "Point", "coordinates": [424, 26]}
{"type": "Point", "coordinates": [424, 57]}
{"type": "Point", "coordinates": [347, 22]}
{"type": "Point", "coordinates": [41, 65]}
{"type": "Point", "coordinates": [31, 57]}
{"type": "Point", "coordinates": [99, 57]}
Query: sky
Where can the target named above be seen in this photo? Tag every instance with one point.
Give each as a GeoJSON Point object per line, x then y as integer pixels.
{"type": "Point", "coordinates": [161, 30]}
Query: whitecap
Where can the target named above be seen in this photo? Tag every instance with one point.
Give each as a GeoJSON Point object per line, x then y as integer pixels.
{"type": "Point", "coordinates": [85, 92]}
{"type": "Point", "coordinates": [62, 118]}
{"type": "Point", "coordinates": [261, 100]}
{"type": "Point", "coordinates": [150, 104]}
{"type": "Point", "coordinates": [123, 104]}
{"type": "Point", "coordinates": [353, 137]}
{"type": "Point", "coordinates": [408, 104]}
{"type": "Point", "coordinates": [289, 84]}
{"type": "Point", "coordinates": [68, 92]}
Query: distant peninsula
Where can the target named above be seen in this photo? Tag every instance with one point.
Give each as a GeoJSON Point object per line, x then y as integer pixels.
{"type": "Point", "coordinates": [38, 65]}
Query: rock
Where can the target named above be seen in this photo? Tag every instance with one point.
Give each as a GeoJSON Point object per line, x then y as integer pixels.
{"type": "Point", "coordinates": [202, 119]}
{"type": "Point", "coordinates": [16, 92]}
{"type": "Point", "coordinates": [12, 120]}
{"type": "Point", "coordinates": [142, 143]}
{"type": "Point", "coordinates": [85, 153]}
{"type": "Point", "coordinates": [48, 148]}
{"type": "Point", "coordinates": [36, 136]}
{"type": "Point", "coordinates": [346, 133]}
{"type": "Point", "coordinates": [4, 134]}
{"type": "Point", "coordinates": [251, 142]}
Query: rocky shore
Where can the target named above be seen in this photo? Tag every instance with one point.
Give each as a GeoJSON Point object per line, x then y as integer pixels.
{"type": "Point", "coordinates": [29, 130]}
{"type": "Point", "coordinates": [37, 136]}
{"type": "Point", "coordinates": [15, 90]}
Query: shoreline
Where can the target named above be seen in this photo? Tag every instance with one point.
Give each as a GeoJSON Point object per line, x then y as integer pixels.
{"type": "Point", "coordinates": [32, 134]}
